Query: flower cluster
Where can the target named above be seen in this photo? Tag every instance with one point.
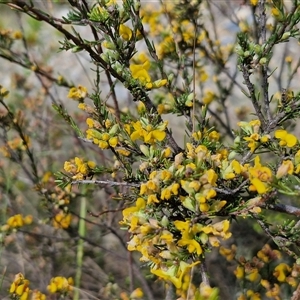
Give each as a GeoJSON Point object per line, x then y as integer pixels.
{"type": "Point", "coordinates": [60, 285]}
{"type": "Point", "coordinates": [179, 194]}
{"type": "Point", "coordinates": [140, 72]}
{"type": "Point", "coordinates": [19, 290]}
{"type": "Point", "coordinates": [266, 270]}
{"type": "Point", "coordinates": [78, 93]}
{"type": "Point", "coordinates": [103, 138]}
{"type": "Point", "coordinates": [168, 240]}
{"type": "Point", "coordinates": [62, 219]}
{"type": "Point", "coordinates": [146, 132]}
{"type": "Point", "coordinates": [16, 221]}
{"type": "Point", "coordinates": [169, 221]}
{"type": "Point", "coordinates": [16, 144]}
{"type": "Point", "coordinates": [252, 131]}
{"type": "Point", "coordinates": [79, 168]}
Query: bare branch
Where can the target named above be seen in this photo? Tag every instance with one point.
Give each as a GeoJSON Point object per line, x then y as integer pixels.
{"type": "Point", "coordinates": [106, 182]}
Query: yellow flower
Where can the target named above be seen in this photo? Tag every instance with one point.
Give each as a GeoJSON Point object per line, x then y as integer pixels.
{"type": "Point", "coordinates": [147, 133]}
{"type": "Point", "coordinates": [210, 177]}
{"type": "Point", "coordinates": [90, 122]}
{"type": "Point", "coordinates": [165, 194]}
{"type": "Point", "coordinates": [174, 274]}
{"type": "Point", "coordinates": [141, 108]}
{"type": "Point", "coordinates": [113, 141]}
{"type": "Point", "coordinates": [239, 272]}
{"type": "Point", "coordinates": [152, 199]}
{"type": "Point", "coordinates": [286, 139]}
{"type": "Point", "coordinates": [192, 245]}
{"type": "Point", "coordinates": [166, 152]}
{"type": "Point", "coordinates": [209, 96]}
{"type": "Point", "coordinates": [60, 284]}
{"type": "Point", "coordinates": [275, 12]}
{"type": "Point", "coordinates": [260, 177]}
{"type": "Point", "coordinates": [265, 138]}
{"type": "Point", "coordinates": [285, 168]}
{"type": "Point", "coordinates": [140, 72]}
{"type": "Point", "coordinates": [62, 220]}
{"type": "Point", "coordinates": [159, 83]}
{"type": "Point", "coordinates": [28, 219]}
{"type": "Point", "coordinates": [252, 274]}
{"type": "Point", "coordinates": [15, 221]}
{"type": "Point", "coordinates": [253, 296]}
{"type": "Point", "coordinates": [281, 272]}
{"type": "Point", "coordinates": [78, 93]}
{"type": "Point", "coordinates": [20, 288]}
{"type": "Point", "coordinates": [3, 92]}
{"type": "Point", "coordinates": [125, 32]}
{"type": "Point", "coordinates": [123, 152]}
{"type": "Point", "coordinates": [103, 144]}
{"type": "Point", "coordinates": [253, 141]}
{"type": "Point", "coordinates": [37, 295]}
{"type": "Point", "coordinates": [218, 229]}
{"type": "Point", "coordinates": [17, 35]}
{"type": "Point", "coordinates": [197, 135]}
{"type": "Point", "coordinates": [155, 135]}
{"type": "Point", "coordinates": [207, 292]}
{"type": "Point", "coordinates": [228, 253]}
{"type": "Point", "coordinates": [139, 205]}
{"type": "Point", "coordinates": [214, 135]}
{"type": "Point", "coordinates": [137, 294]}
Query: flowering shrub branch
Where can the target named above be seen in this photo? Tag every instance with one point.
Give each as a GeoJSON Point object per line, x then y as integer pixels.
{"type": "Point", "coordinates": [179, 200]}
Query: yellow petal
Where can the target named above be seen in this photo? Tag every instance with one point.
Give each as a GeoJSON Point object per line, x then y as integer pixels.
{"type": "Point", "coordinates": [159, 135]}
{"type": "Point", "coordinates": [260, 187]}
{"type": "Point", "coordinates": [280, 133]}
{"type": "Point", "coordinates": [291, 140]}
{"type": "Point", "coordinates": [125, 32]}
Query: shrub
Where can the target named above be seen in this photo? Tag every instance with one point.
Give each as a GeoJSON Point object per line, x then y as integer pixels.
{"type": "Point", "coordinates": [184, 135]}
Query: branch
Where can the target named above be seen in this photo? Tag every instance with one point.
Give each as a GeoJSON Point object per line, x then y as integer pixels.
{"type": "Point", "coordinates": [281, 241]}
{"type": "Point", "coordinates": [232, 192]}
{"type": "Point", "coordinates": [264, 68]}
{"type": "Point", "coordinates": [252, 95]}
{"type": "Point", "coordinates": [204, 274]}
{"type": "Point", "coordinates": [137, 92]}
{"type": "Point", "coordinates": [106, 182]}
{"type": "Point", "coordinates": [37, 70]}
{"type": "Point", "coordinates": [296, 294]}
{"type": "Point", "coordinates": [288, 209]}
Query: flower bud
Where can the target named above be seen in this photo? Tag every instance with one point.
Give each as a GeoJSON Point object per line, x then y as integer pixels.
{"type": "Point", "coordinates": [114, 129]}
{"type": "Point", "coordinates": [232, 155]}
{"type": "Point", "coordinates": [263, 60]}
{"type": "Point", "coordinates": [238, 50]}
{"type": "Point", "coordinates": [145, 150]}
{"type": "Point", "coordinates": [164, 221]}
{"type": "Point", "coordinates": [105, 57]}
{"type": "Point", "coordinates": [170, 77]}
{"type": "Point", "coordinates": [285, 36]}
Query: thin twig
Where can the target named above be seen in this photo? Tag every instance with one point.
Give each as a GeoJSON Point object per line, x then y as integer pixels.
{"type": "Point", "coordinates": [264, 68]}
{"type": "Point", "coordinates": [232, 192]}
{"type": "Point", "coordinates": [296, 294]}
{"type": "Point", "coordinates": [252, 95]}
{"type": "Point", "coordinates": [106, 182]}
{"type": "Point", "coordinates": [204, 274]}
